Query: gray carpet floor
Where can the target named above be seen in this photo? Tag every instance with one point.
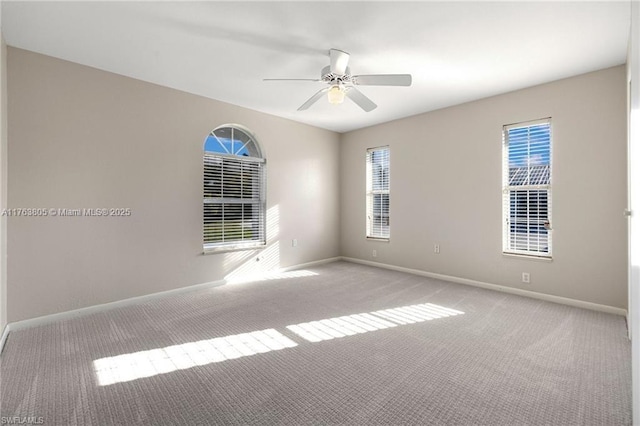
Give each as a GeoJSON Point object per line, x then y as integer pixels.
{"type": "Point", "coordinates": [339, 344]}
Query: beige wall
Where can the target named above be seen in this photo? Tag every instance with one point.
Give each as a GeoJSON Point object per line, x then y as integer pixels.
{"type": "Point", "coordinates": [446, 189]}
{"type": "Point", "coordinates": [83, 138]}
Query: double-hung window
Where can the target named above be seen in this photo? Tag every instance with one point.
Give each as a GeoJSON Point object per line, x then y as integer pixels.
{"type": "Point", "coordinates": [378, 193]}
{"type": "Point", "coordinates": [526, 181]}
{"type": "Point", "coordinates": [234, 191]}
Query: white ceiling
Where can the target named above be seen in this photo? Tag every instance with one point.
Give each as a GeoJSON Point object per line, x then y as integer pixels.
{"type": "Point", "coordinates": [456, 51]}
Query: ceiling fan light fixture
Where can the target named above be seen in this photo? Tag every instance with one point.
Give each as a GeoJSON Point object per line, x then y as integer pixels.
{"type": "Point", "coordinates": [338, 73]}
{"type": "Point", "coordinates": [336, 94]}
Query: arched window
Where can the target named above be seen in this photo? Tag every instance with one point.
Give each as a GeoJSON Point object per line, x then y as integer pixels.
{"type": "Point", "coordinates": [234, 190]}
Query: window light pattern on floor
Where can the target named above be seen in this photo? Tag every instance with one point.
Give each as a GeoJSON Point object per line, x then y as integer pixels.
{"type": "Point", "coordinates": [268, 276]}
{"type": "Point", "coordinates": [127, 367]}
{"type": "Point", "coordinates": [137, 365]}
{"type": "Point", "coordinates": [316, 331]}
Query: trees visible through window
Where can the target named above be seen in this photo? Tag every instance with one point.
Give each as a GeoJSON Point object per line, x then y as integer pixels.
{"type": "Point", "coordinates": [378, 193]}
{"type": "Point", "coordinates": [527, 188]}
{"type": "Point", "coordinates": [234, 200]}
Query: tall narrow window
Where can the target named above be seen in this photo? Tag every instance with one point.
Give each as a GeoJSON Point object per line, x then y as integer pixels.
{"type": "Point", "coordinates": [234, 194]}
{"type": "Point", "coordinates": [526, 178]}
{"type": "Point", "coordinates": [378, 193]}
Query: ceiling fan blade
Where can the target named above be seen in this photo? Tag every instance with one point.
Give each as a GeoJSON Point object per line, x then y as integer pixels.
{"type": "Point", "coordinates": [291, 79]}
{"type": "Point", "coordinates": [312, 100]}
{"type": "Point", "coordinates": [382, 80]}
{"type": "Point", "coordinates": [339, 61]}
{"type": "Point", "coordinates": [361, 100]}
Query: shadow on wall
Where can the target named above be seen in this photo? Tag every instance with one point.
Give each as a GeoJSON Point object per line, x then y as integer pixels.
{"type": "Point", "coordinates": [240, 266]}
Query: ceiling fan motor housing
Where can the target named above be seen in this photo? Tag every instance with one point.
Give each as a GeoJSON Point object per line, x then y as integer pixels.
{"type": "Point", "coordinates": [328, 77]}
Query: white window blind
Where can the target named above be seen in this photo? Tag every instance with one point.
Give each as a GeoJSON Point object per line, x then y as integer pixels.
{"type": "Point", "coordinates": [378, 193]}
{"type": "Point", "coordinates": [234, 202]}
{"type": "Point", "coordinates": [527, 188]}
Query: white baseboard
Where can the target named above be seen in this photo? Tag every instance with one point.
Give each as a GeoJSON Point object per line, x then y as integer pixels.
{"type": "Point", "coordinates": [496, 287]}
{"type": "Point", "coordinates": [47, 319]}
{"type": "Point", "coordinates": [310, 264]}
{"type": "Point", "coordinates": [3, 339]}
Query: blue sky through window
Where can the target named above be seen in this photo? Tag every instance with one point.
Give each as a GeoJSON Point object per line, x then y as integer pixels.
{"type": "Point", "coordinates": [226, 146]}
{"type": "Point", "coordinates": [530, 146]}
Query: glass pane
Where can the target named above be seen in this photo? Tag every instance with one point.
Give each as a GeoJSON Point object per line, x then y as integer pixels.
{"type": "Point", "coordinates": [232, 141]}
{"type": "Point", "coordinates": [232, 222]}
{"type": "Point", "coordinates": [241, 143]}
{"type": "Point", "coordinates": [219, 141]}
{"type": "Point", "coordinates": [379, 169]}
{"type": "Point", "coordinates": [213, 229]}
{"type": "Point", "coordinates": [380, 216]}
{"type": "Point", "coordinates": [530, 155]}
{"type": "Point", "coordinates": [529, 213]}
{"type": "Point", "coordinates": [212, 176]}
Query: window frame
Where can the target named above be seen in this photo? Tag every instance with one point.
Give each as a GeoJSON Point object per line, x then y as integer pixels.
{"type": "Point", "coordinates": [371, 193]}
{"type": "Point", "coordinates": [259, 199]}
{"type": "Point", "coordinates": [508, 189]}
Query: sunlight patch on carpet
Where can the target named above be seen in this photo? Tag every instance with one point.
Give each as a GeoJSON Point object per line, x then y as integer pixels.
{"type": "Point", "coordinates": [317, 331]}
{"type": "Point", "coordinates": [127, 367]}
{"type": "Point", "coordinates": [137, 365]}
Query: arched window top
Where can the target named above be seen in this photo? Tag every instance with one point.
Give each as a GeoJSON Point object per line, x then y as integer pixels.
{"type": "Point", "coordinates": [232, 139]}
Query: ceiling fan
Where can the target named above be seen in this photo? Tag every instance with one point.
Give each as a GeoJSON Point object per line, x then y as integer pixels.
{"type": "Point", "coordinates": [341, 83]}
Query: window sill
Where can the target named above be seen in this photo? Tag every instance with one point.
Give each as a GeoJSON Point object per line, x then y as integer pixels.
{"type": "Point", "coordinates": [232, 248]}
{"type": "Point", "coordinates": [546, 259]}
{"type": "Point", "coordinates": [383, 240]}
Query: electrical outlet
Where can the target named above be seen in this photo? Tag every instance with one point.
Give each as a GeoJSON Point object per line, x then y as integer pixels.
{"type": "Point", "coordinates": [374, 253]}
{"type": "Point", "coordinates": [526, 278]}
{"type": "Point", "coordinates": [436, 248]}
{"type": "Point", "coordinates": [294, 243]}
